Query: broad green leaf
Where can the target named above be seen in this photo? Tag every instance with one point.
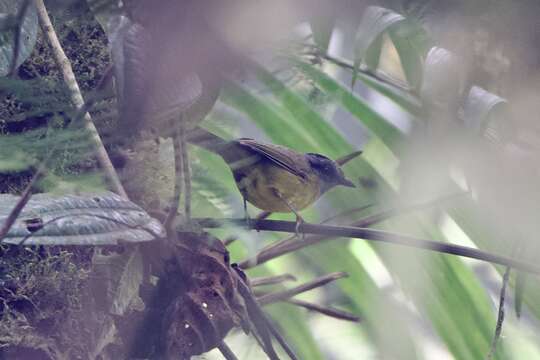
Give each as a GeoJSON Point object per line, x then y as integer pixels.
{"type": "Point", "coordinates": [375, 21]}
{"type": "Point", "coordinates": [27, 39]}
{"type": "Point", "coordinates": [322, 28]}
{"type": "Point", "coordinates": [91, 219]}
{"type": "Point", "coordinates": [442, 79]}
{"type": "Point", "coordinates": [478, 108]}
{"type": "Point", "coordinates": [405, 39]}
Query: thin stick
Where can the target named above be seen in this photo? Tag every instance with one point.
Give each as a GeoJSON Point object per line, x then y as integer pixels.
{"type": "Point", "coordinates": [178, 177]}
{"type": "Point", "coordinates": [375, 218]}
{"type": "Point", "coordinates": [76, 97]}
{"type": "Point", "coordinates": [325, 232]}
{"type": "Point", "coordinates": [14, 213]}
{"type": "Point", "coordinates": [326, 310]}
{"type": "Point", "coordinates": [226, 351]}
{"type": "Point", "coordinates": [500, 317]}
{"type": "Point", "coordinates": [280, 339]}
{"type": "Point", "coordinates": [187, 172]}
{"type": "Point", "coordinates": [271, 280]}
{"type": "Point", "coordinates": [286, 294]}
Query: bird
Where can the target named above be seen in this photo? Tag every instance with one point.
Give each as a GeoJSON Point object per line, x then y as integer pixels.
{"type": "Point", "coordinates": [275, 178]}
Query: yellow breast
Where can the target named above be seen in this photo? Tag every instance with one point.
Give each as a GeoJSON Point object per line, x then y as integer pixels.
{"type": "Point", "coordinates": [264, 179]}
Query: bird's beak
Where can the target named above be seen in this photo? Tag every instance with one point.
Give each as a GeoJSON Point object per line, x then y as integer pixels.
{"type": "Point", "coordinates": [346, 182]}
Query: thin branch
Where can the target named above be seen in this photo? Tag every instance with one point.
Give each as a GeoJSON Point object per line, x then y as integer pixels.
{"type": "Point", "coordinates": [372, 219]}
{"type": "Point", "coordinates": [376, 75]}
{"type": "Point", "coordinates": [25, 197]}
{"type": "Point", "coordinates": [325, 232]}
{"type": "Point", "coordinates": [178, 177]}
{"type": "Point", "coordinates": [280, 339]}
{"type": "Point", "coordinates": [326, 310]}
{"type": "Point", "coordinates": [289, 293]}
{"type": "Point", "coordinates": [271, 280]}
{"type": "Point", "coordinates": [226, 351]}
{"type": "Point", "coordinates": [500, 317]}
{"type": "Point", "coordinates": [76, 97]}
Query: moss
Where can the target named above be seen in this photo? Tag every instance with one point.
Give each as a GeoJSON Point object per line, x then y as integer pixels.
{"type": "Point", "coordinates": [40, 289]}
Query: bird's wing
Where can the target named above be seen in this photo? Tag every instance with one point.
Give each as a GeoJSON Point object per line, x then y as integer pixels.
{"type": "Point", "coordinates": [286, 158]}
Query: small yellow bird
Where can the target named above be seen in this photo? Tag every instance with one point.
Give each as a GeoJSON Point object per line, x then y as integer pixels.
{"type": "Point", "coordinates": [275, 178]}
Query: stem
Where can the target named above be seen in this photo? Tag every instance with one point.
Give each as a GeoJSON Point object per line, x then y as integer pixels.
{"type": "Point", "coordinates": [286, 294]}
{"type": "Point", "coordinates": [271, 280]}
{"type": "Point", "coordinates": [76, 97]}
{"type": "Point", "coordinates": [328, 311]}
{"type": "Point", "coordinates": [325, 232]}
{"type": "Point", "coordinates": [500, 317]}
{"type": "Point", "coordinates": [226, 351]}
{"type": "Point", "coordinates": [14, 213]}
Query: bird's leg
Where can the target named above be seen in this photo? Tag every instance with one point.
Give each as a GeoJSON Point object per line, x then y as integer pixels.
{"type": "Point", "coordinates": [299, 219]}
{"type": "Point", "coordinates": [186, 171]}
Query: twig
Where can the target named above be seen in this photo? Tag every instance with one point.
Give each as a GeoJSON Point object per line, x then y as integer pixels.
{"type": "Point", "coordinates": [25, 197]}
{"type": "Point", "coordinates": [178, 177]}
{"type": "Point", "coordinates": [226, 351]}
{"type": "Point", "coordinates": [286, 294]}
{"type": "Point", "coordinates": [280, 339]}
{"type": "Point", "coordinates": [326, 310]}
{"type": "Point", "coordinates": [271, 280]}
{"type": "Point", "coordinates": [372, 219]}
{"type": "Point", "coordinates": [378, 75]}
{"type": "Point", "coordinates": [187, 171]}
{"type": "Point", "coordinates": [17, 36]}
{"type": "Point", "coordinates": [325, 232]}
{"type": "Point", "coordinates": [256, 316]}
{"type": "Point", "coordinates": [76, 97]}
{"type": "Point", "coordinates": [500, 317]}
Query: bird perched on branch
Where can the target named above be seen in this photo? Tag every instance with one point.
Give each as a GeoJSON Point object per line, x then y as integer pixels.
{"type": "Point", "coordinates": [275, 178]}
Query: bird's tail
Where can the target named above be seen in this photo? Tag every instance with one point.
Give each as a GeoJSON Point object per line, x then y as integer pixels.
{"type": "Point", "coordinates": [233, 153]}
{"type": "Point", "coordinates": [207, 140]}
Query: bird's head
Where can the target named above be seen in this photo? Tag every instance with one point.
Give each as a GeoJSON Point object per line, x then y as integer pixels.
{"type": "Point", "coordinates": [328, 171]}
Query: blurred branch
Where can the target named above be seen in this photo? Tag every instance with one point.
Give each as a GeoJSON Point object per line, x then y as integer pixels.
{"type": "Point", "coordinates": [14, 213]}
{"type": "Point", "coordinates": [286, 294]}
{"type": "Point", "coordinates": [226, 351]}
{"type": "Point", "coordinates": [76, 97]}
{"type": "Point", "coordinates": [326, 310]}
{"type": "Point", "coordinates": [280, 339]}
{"type": "Point", "coordinates": [325, 232]}
{"type": "Point", "coordinates": [500, 317]}
{"type": "Point", "coordinates": [343, 63]}
{"type": "Point", "coordinates": [271, 280]}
